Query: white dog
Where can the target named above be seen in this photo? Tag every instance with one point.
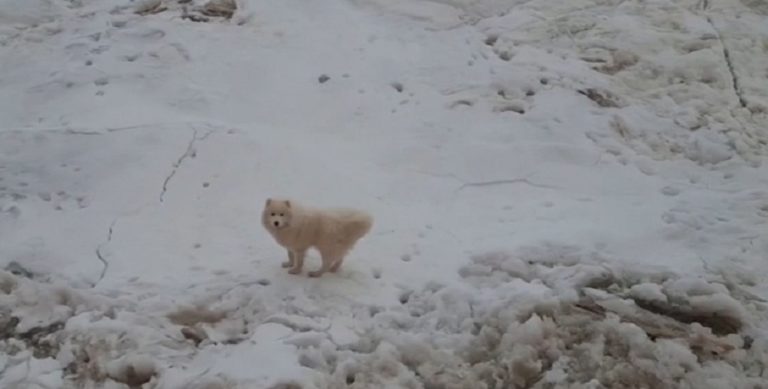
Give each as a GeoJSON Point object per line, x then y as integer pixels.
{"type": "Point", "coordinates": [332, 232]}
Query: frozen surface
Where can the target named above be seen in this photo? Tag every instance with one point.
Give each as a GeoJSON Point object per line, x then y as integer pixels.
{"type": "Point", "coordinates": [566, 194]}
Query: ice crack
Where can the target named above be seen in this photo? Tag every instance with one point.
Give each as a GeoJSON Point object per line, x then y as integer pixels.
{"type": "Point", "coordinates": [729, 63]}
{"type": "Point", "coordinates": [504, 182]}
{"type": "Point", "coordinates": [470, 184]}
{"type": "Point", "coordinates": [100, 255]}
{"type": "Point", "coordinates": [189, 152]}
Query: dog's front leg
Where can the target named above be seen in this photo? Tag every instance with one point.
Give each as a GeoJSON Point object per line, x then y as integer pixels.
{"type": "Point", "coordinates": [290, 261]}
{"type": "Point", "coordinates": [298, 261]}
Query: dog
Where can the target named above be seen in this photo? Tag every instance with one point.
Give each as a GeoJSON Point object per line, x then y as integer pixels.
{"type": "Point", "coordinates": [332, 232]}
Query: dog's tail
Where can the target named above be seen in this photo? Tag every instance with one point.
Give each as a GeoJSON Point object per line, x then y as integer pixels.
{"type": "Point", "coordinates": [358, 224]}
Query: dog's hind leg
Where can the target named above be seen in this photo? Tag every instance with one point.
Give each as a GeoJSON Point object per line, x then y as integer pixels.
{"type": "Point", "coordinates": [336, 265]}
{"type": "Point", "coordinates": [328, 261]}
{"type": "Point", "coordinates": [298, 261]}
{"type": "Point", "coordinates": [290, 261]}
{"type": "Point", "coordinates": [341, 253]}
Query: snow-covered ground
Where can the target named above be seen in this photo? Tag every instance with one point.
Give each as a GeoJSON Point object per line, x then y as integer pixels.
{"type": "Point", "coordinates": [567, 194]}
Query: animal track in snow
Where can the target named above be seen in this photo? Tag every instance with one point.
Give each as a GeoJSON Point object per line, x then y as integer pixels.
{"type": "Point", "coordinates": [151, 34]}
{"type": "Point", "coordinates": [119, 23]}
{"type": "Point", "coordinates": [504, 55]}
{"type": "Point", "coordinates": [461, 103]}
{"type": "Point", "coordinates": [670, 191]}
{"type": "Point", "coordinates": [491, 40]}
{"type": "Point", "coordinates": [510, 107]}
{"type": "Point", "coordinates": [22, 191]}
{"type": "Point", "coordinates": [131, 57]}
{"type": "Point", "coordinates": [99, 49]}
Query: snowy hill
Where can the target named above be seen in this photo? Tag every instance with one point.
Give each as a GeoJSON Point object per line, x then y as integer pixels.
{"type": "Point", "coordinates": [567, 194]}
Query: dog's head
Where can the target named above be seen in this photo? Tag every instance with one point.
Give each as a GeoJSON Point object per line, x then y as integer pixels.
{"type": "Point", "coordinates": [277, 214]}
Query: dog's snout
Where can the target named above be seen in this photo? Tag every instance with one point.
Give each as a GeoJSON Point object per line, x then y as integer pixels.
{"type": "Point", "coordinates": [276, 223]}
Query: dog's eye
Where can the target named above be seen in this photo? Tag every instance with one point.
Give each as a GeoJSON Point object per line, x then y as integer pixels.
{"type": "Point", "coordinates": [273, 214]}
{"type": "Point", "coordinates": [281, 214]}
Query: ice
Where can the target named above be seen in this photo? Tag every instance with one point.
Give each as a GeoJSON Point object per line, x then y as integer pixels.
{"type": "Point", "coordinates": [566, 194]}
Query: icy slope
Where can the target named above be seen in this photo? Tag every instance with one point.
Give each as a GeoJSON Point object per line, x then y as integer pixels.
{"type": "Point", "coordinates": [611, 153]}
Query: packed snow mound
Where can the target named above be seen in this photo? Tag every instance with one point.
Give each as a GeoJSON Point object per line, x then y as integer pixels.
{"type": "Point", "coordinates": [525, 323]}
{"type": "Point", "coordinates": [543, 317]}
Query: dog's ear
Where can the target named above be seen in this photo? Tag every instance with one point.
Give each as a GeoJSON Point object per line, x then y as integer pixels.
{"type": "Point", "coordinates": [288, 203]}
{"type": "Point", "coordinates": [269, 201]}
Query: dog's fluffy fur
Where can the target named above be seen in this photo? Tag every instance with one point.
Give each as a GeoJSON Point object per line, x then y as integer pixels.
{"type": "Point", "coordinates": [332, 232]}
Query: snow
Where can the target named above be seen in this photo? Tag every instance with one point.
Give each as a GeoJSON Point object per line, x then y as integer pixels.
{"type": "Point", "coordinates": [648, 291]}
{"type": "Point", "coordinates": [566, 194]}
{"type": "Point", "coordinates": [25, 13]}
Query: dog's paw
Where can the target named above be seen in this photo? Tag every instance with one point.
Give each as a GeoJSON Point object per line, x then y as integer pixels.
{"type": "Point", "coordinates": [294, 271]}
{"type": "Point", "coordinates": [315, 274]}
